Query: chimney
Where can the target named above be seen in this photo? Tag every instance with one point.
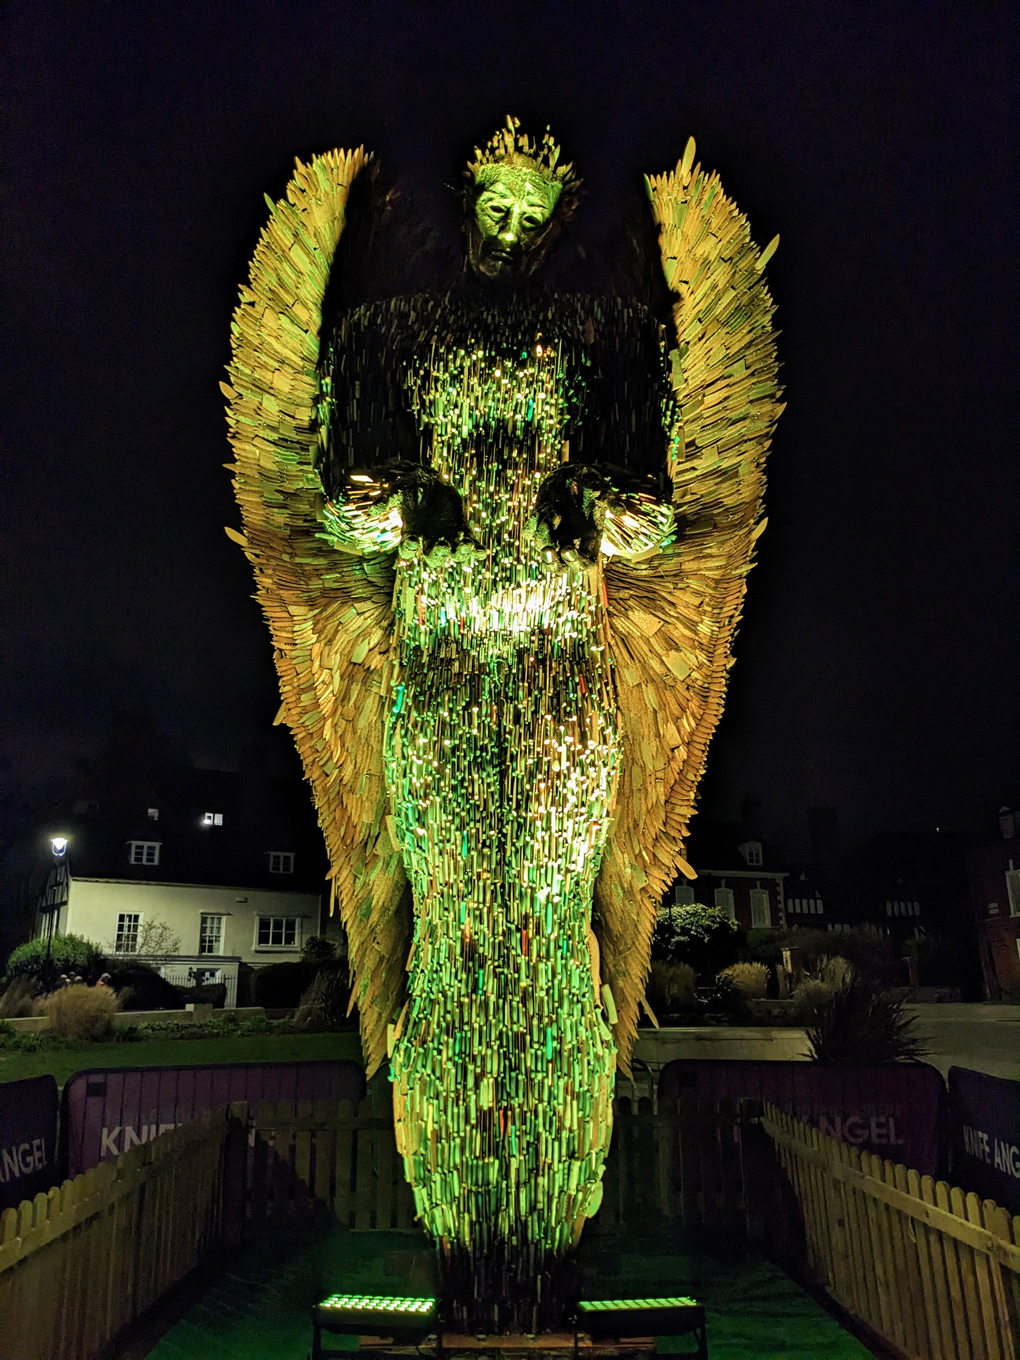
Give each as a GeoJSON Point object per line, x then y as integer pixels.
{"type": "Point", "coordinates": [1007, 823]}
{"type": "Point", "coordinates": [823, 828]}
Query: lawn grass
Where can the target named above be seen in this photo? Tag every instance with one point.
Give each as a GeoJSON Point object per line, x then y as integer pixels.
{"type": "Point", "coordinates": [64, 1062]}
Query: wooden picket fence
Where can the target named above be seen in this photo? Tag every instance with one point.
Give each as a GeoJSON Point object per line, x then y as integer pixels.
{"type": "Point", "coordinates": [697, 1167]}
{"type": "Point", "coordinates": [932, 1270]}
{"type": "Point", "coordinates": [309, 1154]}
{"type": "Point", "coordinates": [81, 1262]}
{"type": "Point", "coordinates": [689, 1165]}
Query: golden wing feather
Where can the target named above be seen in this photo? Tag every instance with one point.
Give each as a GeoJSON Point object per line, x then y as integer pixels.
{"type": "Point", "coordinates": [673, 616]}
{"type": "Point", "coordinates": [330, 613]}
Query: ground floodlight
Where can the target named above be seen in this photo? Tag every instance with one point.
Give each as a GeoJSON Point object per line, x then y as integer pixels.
{"type": "Point", "coordinates": [673, 1315]}
{"type": "Point", "coordinates": [407, 1320]}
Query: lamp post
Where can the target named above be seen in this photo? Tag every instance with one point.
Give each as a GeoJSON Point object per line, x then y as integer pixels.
{"type": "Point", "coordinates": [58, 849]}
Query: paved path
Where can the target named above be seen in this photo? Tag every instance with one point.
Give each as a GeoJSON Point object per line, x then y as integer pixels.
{"type": "Point", "coordinates": [754, 1312]}
{"type": "Point", "coordinates": [981, 1036]}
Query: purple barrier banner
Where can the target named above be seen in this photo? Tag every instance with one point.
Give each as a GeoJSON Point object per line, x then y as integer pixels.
{"type": "Point", "coordinates": [28, 1139]}
{"type": "Point", "coordinates": [984, 1134]}
{"type": "Point", "coordinates": [893, 1111]}
{"type": "Point", "coordinates": [106, 1112]}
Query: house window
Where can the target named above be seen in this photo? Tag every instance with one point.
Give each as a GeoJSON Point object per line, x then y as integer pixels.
{"type": "Point", "coordinates": [752, 853]}
{"type": "Point", "coordinates": [724, 901]}
{"type": "Point", "coordinates": [685, 896]}
{"type": "Point", "coordinates": [143, 852]}
{"type": "Point", "coordinates": [1013, 888]}
{"type": "Point", "coordinates": [210, 935]}
{"type": "Point", "coordinates": [761, 913]}
{"type": "Point", "coordinates": [805, 906]}
{"type": "Point", "coordinates": [128, 925]}
{"type": "Point", "coordinates": [213, 819]}
{"type": "Point", "coordinates": [277, 932]}
{"type": "Point", "coordinates": [153, 814]}
{"type": "Point", "coordinates": [281, 862]}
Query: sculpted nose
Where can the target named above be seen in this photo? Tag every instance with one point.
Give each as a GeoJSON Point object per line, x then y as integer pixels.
{"type": "Point", "coordinates": [511, 233]}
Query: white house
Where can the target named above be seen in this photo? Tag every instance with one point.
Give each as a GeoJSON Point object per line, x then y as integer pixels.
{"type": "Point", "coordinates": [172, 853]}
{"type": "Point", "coordinates": [218, 927]}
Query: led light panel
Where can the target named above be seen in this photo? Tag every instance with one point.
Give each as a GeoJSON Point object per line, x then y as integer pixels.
{"type": "Point", "coordinates": [376, 1303]}
{"type": "Point", "coordinates": [634, 1305]}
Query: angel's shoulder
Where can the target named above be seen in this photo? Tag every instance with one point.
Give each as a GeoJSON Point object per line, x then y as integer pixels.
{"type": "Point", "coordinates": [394, 314]}
{"type": "Point", "coordinates": [608, 317]}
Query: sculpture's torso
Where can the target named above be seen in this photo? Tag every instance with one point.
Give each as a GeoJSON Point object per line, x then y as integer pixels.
{"type": "Point", "coordinates": [501, 762]}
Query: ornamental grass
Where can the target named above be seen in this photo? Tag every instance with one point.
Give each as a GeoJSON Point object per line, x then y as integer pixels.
{"type": "Point", "coordinates": [81, 1012]}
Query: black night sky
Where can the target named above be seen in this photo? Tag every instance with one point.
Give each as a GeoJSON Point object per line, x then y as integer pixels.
{"type": "Point", "coordinates": [877, 666]}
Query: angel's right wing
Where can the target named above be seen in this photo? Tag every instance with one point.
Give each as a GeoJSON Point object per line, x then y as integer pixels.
{"type": "Point", "coordinates": [329, 612]}
{"type": "Point", "coordinates": [673, 613]}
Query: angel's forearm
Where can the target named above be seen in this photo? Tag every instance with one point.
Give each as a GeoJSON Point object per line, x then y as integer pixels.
{"type": "Point", "coordinates": [637, 524]}
{"type": "Point", "coordinates": [367, 519]}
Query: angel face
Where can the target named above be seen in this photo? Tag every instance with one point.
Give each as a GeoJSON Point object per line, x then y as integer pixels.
{"type": "Point", "coordinates": [513, 212]}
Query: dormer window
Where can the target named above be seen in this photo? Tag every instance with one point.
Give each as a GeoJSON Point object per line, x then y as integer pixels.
{"type": "Point", "coordinates": [213, 819]}
{"type": "Point", "coordinates": [751, 850]}
{"type": "Point", "coordinates": [281, 862]}
{"type": "Point", "coordinates": [153, 814]}
{"type": "Point", "coordinates": [143, 852]}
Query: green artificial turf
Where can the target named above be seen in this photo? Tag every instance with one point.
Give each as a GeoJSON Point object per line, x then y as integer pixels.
{"type": "Point", "coordinates": [262, 1312]}
{"type": "Point", "coordinates": [64, 1062]}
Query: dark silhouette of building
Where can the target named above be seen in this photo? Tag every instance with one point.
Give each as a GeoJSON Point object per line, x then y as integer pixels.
{"type": "Point", "coordinates": [995, 905]}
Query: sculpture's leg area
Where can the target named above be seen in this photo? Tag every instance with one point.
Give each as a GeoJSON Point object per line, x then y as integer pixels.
{"type": "Point", "coordinates": [502, 779]}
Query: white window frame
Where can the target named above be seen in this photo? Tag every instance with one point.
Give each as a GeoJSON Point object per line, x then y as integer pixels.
{"type": "Point", "coordinates": [144, 853]}
{"type": "Point", "coordinates": [723, 899]}
{"type": "Point", "coordinates": [1013, 891]}
{"type": "Point", "coordinates": [123, 916]}
{"type": "Point", "coordinates": [281, 945]}
{"type": "Point", "coordinates": [760, 905]}
{"type": "Point", "coordinates": [212, 819]}
{"type": "Point", "coordinates": [211, 916]}
{"type": "Point", "coordinates": [281, 861]}
{"type": "Point", "coordinates": [684, 896]}
{"type": "Point", "coordinates": [752, 854]}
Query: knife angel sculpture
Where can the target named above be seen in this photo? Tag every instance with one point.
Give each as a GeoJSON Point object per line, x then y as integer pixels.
{"type": "Point", "coordinates": [500, 536]}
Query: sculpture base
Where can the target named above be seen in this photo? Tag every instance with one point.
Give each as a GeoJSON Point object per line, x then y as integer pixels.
{"type": "Point", "coordinates": [544, 1346]}
{"type": "Point", "coordinates": [508, 1290]}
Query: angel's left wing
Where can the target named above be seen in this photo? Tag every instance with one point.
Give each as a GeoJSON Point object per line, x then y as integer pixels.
{"type": "Point", "coordinates": [329, 612]}
{"type": "Point", "coordinates": [673, 613]}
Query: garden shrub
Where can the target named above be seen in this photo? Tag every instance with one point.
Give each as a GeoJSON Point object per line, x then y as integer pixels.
{"type": "Point", "coordinates": [141, 988]}
{"type": "Point", "coordinates": [279, 986]}
{"type": "Point", "coordinates": [816, 990]}
{"type": "Point", "coordinates": [670, 988]}
{"type": "Point", "coordinates": [67, 954]}
{"type": "Point", "coordinates": [859, 1025]}
{"type": "Point", "coordinates": [81, 1012]}
{"type": "Point", "coordinates": [205, 994]}
{"type": "Point", "coordinates": [701, 936]}
{"type": "Point", "coordinates": [750, 979]}
{"type": "Point", "coordinates": [765, 945]}
{"type": "Point", "coordinates": [318, 949]}
{"type": "Point", "coordinates": [874, 957]}
{"type": "Point", "coordinates": [326, 1001]}
{"type": "Point", "coordinates": [17, 999]}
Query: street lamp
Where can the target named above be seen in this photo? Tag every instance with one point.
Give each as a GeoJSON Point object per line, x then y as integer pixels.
{"type": "Point", "coordinates": [58, 848]}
